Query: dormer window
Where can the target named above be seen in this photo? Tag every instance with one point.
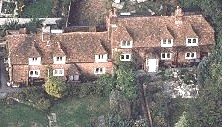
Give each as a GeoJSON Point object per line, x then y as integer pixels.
{"type": "Point", "coordinates": [59, 59]}
{"type": "Point", "coordinates": [165, 56]}
{"type": "Point", "coordinates": [125, 57]}
{"type": "Point", "coordinates": [101, 58]}
{"type": "Point", "coordinates": [99, 70]}
{"type": "Point", "coordinates": [126, 44]}
{"type": "Point", "coordinates": [190, 55]}
{"type": "Point", "coordinates": [35, 61]}
{"type": "Point", "coordinates": [192, 42]}
{"type": "Point", "coordinates": [167, 43]}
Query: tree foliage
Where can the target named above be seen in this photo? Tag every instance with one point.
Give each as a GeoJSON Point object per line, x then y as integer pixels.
{"type": "Point", "coordinates": [183, 122]}
{"type": "Point", "coordinates": [55, 87]}
{"type": "Point", "coordinates": [126, 80]}
{"type": "Point", "coordinates": [34, 24]}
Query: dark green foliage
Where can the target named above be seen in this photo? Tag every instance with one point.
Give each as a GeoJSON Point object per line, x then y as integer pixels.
{"type": "Point", "coordinates": [125, 79]}
{"type": "Point", "coordinates": [116, 121]}
{"type": "Point", "coordinates": [105, 83]}
{"type": "Point", "coordinates": [33, 25]}
{"type": "Point", "coordinates": [38, 9]}
{"type": "Point", "coordinates": [55, 87]}
{"type": "Point", "coordinates": [34, 97]}
{"type": "Point", "coordinates": [11, 25]}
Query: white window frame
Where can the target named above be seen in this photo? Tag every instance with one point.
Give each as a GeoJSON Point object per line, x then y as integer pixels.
{"type": "Point", "coordinates": [74, 77]}
{"type": "Point", "coordinates": [166, 54]}
{"type": "Point", "coordinates": [59, 59]}
{"type": "Point", "coordinates": [34, 73]}
{"type": "Point", "coordinates": [167, 43]}
{"type": "Point", "coordinates": [99, 70]}
{"type": "Point", "coordinates": [192, 42]}
{"type": "Point", "coordinates": [101, 58]}
{"type": "Point", "coordinates": [126, 44]}
{"type": "Point", "coordinates": [35, 61]}
{"type": "Point", "coordinates": [124, 55]}
{"type": "Point", "coordinates": [189, 57]}
{"type": "Point", "coordinates": [58, 72]}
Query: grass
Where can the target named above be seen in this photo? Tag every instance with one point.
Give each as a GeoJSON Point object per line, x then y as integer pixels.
{"type": "Point", "coordinates": [20, 115]}
{"type": "Point", "coordinates": [40, 9]}
{"type": "Point", "coordinates": [80, 112]}
{"type": "Point", "coordinates": [70, 112]}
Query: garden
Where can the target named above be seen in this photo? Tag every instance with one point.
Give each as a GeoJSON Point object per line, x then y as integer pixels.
{"type": "Point", "coordinates": [80, 106]}
{"type": "Point", "coordinates": [72, 111]}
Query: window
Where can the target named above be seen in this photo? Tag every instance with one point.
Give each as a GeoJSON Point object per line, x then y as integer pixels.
{"type": "Point", "coordinates": [101, 58]}
{"type": "Point", "coordinates": [34, 73]}
{"type": "Point", "coordinates": [35, 61]}
{"type": "Point", "coordinates": [59, 60]}
{"type": "Point", "coordinates": [167, 43]}
{"type": "Point", "coordinates": [58, 72]}
{"type": "Point", "coordinates": [190, 55]}
{"type": "Point", "coordinates": [165, 56]}
{"type": "Point", "coordinates": [126, 44]}
{"type": "Point", "coordinates": [99, 71]}
{"type": "Point", "coordinates": [125, 57]}
{"type": "Point", "coordinates": [192, 41]}
{"type": "Point", "coordinates": [73, 77]}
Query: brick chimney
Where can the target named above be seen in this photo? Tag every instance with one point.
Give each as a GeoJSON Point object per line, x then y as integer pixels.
{"type": "Point", "coordinates": [178, 16]}
{"type": "Point", "coordinates": [111, 21]}
{"type": "Point", "coordinates": [45, 33]}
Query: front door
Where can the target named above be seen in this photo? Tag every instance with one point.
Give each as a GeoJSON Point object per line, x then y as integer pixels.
{"type": "Point", "coordinates": [152, 65]}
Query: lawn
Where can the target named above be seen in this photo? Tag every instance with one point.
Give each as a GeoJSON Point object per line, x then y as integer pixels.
{"type": "Point", "coordinates": [80, 112]}
{"type": "Point", "coordinates": [17, 115]}
{"type": "Point", "coordinates": [70, 112]}
{"type": "Point", "coordinates": [38, 9]}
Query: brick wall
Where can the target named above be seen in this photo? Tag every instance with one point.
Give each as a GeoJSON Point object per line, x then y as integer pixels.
{"type": "Point", "coordinates": [20, 73]}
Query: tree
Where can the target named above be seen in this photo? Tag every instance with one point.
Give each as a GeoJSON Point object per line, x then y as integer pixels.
{"type": "Point", "coordinates": [105, 84]}
{"type": "Point", "coordinates": [55, 87]}
{"type": "Point", "coordinates": [183, 122]}
{"type": "Point", "coordinates": [33, 25]}
{"type": "Point", "coordinates": [206, 109]}
{"type": "Point", "coordinates": [126, 79]}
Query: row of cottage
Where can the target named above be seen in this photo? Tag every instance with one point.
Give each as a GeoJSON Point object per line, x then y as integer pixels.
{"type": "Point", "coordinates": [150, 41]}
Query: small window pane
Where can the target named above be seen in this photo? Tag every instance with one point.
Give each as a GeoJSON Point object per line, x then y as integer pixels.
{"type": "Point", "coordinates": [123, 43]}
{"type": "Point", "coordinates": [189, 40]}
{"type": "Point", "coordinates": [164, 41]}
{"type": "Point", "coordinates": [168, 55]}
{"type": "Point", "coordinates": [163, 55]}
{"type": "Point", "coordinates": [128, 43]}
{"type": "Point", "coordinates": [194, 41]}
{"type": "Point", "coordinates": [127, 56]}
{"type": "Point", "coordinates": [122, 56]}
{"type": "Point", "coordinates": [31, 72]}
{"type": "Point", "coordinates": [169, 41]}
{"type": "Point", "coordinates": [188, 55]}
{"type": "Point", "coordinates": [36, 73]}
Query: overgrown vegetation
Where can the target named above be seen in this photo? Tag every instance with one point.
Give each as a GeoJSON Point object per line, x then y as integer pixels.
{"type": "Point", "coordinates": [55, 87]}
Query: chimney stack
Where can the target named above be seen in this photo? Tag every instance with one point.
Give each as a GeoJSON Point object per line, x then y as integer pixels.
{"type": "Point", "coordinates": [178, 16]}
{"type": "Point", "coordinates": [45, 33]}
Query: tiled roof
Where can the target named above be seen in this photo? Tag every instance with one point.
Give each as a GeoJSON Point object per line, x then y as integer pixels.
{"type": "Point", "coordinates": [77, 46]}
{"type": "Point", "coordinates": [148, 31]}
{"type": "Point", "coordinates": [72, 70]}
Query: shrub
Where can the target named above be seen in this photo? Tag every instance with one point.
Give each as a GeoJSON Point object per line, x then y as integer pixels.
{"type": "Point", "coordinates": [55, 87]}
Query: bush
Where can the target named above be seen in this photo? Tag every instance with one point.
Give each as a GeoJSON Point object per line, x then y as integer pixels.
{"type": "Point", "coordinates": [34, 97]}
{"type": "Point", "coordinates": [55, 87]}
{"type": "Point", "coordinates": [43, 104]}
